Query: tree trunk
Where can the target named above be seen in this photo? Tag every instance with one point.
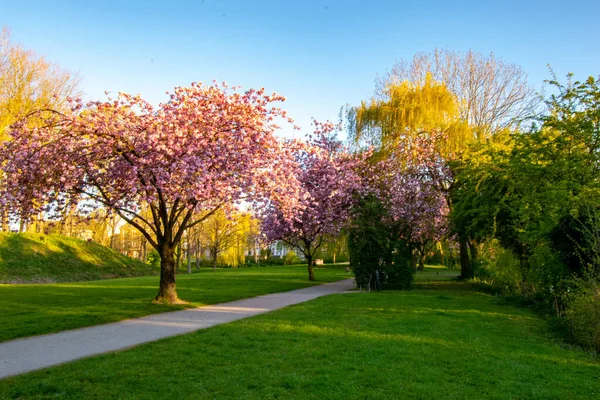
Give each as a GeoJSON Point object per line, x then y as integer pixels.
{"type": "Point", "coordinates": [144, 251]}
{"type": "Point", "coordinates": [214, 260]}
{"type": "Point", "coordinates": [178, 255]}
{"type": "Point", "coordinates": [474, 255]}
{"type": "Point", "coordinates": [256, 251]}
{"type": "Point", "coordinates": [167, 292]}
{"type": "Point", "coordinates": [5, 223]}
{"type": "Point", "coordinates": [442, 257]}
{"type": "Point", "coordinates": [334, 257]}
{"type": "Point", "coordinates": [466, 271]}
{"type": "Point", "coordinates": [311, 272]}
{"type": "Point", "coordinates": [38, 223]}
{"type": "Point", "coordinates": [197, 253]}
{"type": "Point", "coordinates": [422, 256]}
{"type": "Point", "coordinates": [189, 257]}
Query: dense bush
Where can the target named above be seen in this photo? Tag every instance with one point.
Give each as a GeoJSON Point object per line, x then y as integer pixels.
{"type": "Point", "coordinates": [250, 260]}
{"type": "Point", "coordinates": [582, 312]}
{"type": "Point", "coordinates": [273, 261]}
{"type": "Point", "coordinates": [377, 255]}
{"type": "Point", "coordinates": [291, 258]}
{"type": "Point", "coordinates": [153, 258]}
{"type": "Point", "coordinates": [328, 259]}
{"type": "Point", "coordinates": [575, 239]}
{"type": "Point", "coordinates": [367, 242]}
{"type": "Point", "coordinates": [400, 271]}
{"type": "Point", "coordinates": [499, 267]}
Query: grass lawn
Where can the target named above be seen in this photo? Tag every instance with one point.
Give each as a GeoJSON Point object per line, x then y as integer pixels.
{"type": "Point", "coordinates": [443, 340]}
{"type": "Point", "coordinates": [27, 310]}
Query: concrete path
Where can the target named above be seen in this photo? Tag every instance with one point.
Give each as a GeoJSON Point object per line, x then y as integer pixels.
{"type": "Point", "coordinates": [29, 354]}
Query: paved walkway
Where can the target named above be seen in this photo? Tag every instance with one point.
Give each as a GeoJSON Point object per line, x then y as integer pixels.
{"type": "Point", "coordinates": [29, 354]}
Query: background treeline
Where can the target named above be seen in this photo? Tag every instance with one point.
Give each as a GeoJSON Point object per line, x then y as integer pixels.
{"type": "Point", "coordinates": [529, 202]}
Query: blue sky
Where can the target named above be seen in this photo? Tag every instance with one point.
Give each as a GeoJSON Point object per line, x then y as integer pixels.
{"type": "Point", "coordinates": [319, 54]}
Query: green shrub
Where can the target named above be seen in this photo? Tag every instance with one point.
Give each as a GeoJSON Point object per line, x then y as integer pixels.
{"type": "Point", "coordinates": [291, 258]}
{"type": "Point", "coordinates": [153, 258]}
{"type": "Point", "coordinates": [375, 249]}
{"type": "Point", "coordinates": [367, 242]}
{"type": "Point", "coordinates": [582, 312]}
{"type": "Point", "coordinates": [399, 271]}
{"type": "Point", "coordinates": [498, 267]}
{"type": "Point", "coordinates": [273, 261]}
{"type": "Point", "coordinates": [548, 273]}
{"type": "Point", "coordinates": [328, 259]}
{"type": "Point", "coordinates": [204, 263]}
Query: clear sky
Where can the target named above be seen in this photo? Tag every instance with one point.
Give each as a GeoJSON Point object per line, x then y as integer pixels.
{"type": "Point", "coordinates": [320, 54]}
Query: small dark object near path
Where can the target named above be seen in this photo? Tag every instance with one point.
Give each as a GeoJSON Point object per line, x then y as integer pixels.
{"type": "Point", "coordinates": [33, 353]}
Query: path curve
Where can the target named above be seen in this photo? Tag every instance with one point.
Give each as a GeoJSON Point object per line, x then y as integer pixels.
{"type": "Point", "coordinates": [29, 354]}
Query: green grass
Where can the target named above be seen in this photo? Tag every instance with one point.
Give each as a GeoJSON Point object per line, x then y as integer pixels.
{"type": "Point", "coordinates": [27, 310]}
{"type": "Point", "coordinates": [437, 273]}
{"type": "Point", "coordinates": [39, 258]}
{"type": "Point", "coordinates": [443, 340]}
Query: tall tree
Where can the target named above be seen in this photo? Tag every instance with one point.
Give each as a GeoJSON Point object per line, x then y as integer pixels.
{"type": "Point", "coordinates": [206, 147]}
{"type": "Point", "coordinates": [224, 233]}
{"type": "Point", "coordinates": [28, 82]}
{"type": "Point", "coordinates": [493, 94]}
{"type": "Point", "coordinates": [327, 179]}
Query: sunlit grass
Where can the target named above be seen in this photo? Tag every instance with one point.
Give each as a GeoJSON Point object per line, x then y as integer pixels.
{"type": "Point", "coordinates": [27, 310]}
{"type": "Point", "coordinates": [37, 258]}
{"type": "Point", "coordinates": [448, 341]}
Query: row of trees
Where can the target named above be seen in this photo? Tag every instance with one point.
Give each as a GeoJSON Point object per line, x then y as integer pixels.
{"type": "Point", "coordinates": [166, 170]}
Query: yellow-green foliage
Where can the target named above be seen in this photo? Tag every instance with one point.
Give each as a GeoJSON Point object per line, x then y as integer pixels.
{"type": "Point", "coordinates": [29, 82]}
{"type": "Point", "coordinates": [409, 109]}
{"type": "Point", "coordinates": [583, 314]}
{"type": "Point", "coordinates": [229, 235]}
{"type": "Point", "coordinates": [29, 257]}
{"type": "Point", "coordinates": [499, 267]}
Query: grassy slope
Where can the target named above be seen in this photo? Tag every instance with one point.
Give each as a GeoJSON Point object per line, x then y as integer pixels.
{"type": "Point", "coordinates": [444, 340]}
{"type": "Point", "coordinates": [27, 310]}
{"type": "Point", "coordinates": [53, 258]}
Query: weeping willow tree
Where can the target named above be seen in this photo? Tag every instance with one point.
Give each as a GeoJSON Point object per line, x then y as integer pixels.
{"type": "Point", "coordinates": [395, 123]}
{"type": "Point", "coordinates": [409, 110]}
{"type": "Point", "coordinates": [234, 253]}
{"type": "Point", "coordinates": [225, 236]}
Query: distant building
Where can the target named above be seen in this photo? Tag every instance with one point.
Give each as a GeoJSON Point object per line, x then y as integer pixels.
{"type": "Point", "coordinates": [278, 249]}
